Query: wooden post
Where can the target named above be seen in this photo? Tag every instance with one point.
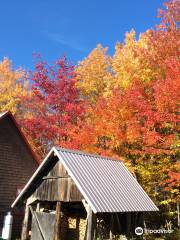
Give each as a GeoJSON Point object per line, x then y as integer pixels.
{"type": "Point", "coordinates": [25, 230]}
{"type": "Point", "coordinates": [111, 227]}
{"type": "Point", "coordinates": [118, 223]}
{"type": "Point", "coordinates": [91, 225]}
{"type": "Point", "coordinates": [94, 226]}
{"type": "Point", "coordinates": [57, 229]}
{"type": "Point", "coordinates": [38, 207]}
{"type": "Point", "coordinates": [128, 223]}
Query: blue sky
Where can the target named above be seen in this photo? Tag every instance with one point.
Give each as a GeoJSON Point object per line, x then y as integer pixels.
{"type": "Point", "coordinates": [75, 27]}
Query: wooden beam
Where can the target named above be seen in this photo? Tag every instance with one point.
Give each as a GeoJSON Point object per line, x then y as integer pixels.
{"type": "Point", "coordinates": [38, 207]}
{"type": "Point", "coordinates": [25, 230]}
{"type": "Point", "coordinates": [55, 177]}
{"type": "Point", "coordinates": [57, 227]}
{"type": "Point", "coordinates": [118, 222]}
{"type": "Point", "coordinates": [31, 200]}
{"type": "Point", "coordinates": [111, 226]}
{"type": "Point", "coordinates": [86, 206]}
{"type": "Point", "coordinates": [128, 223]}
{"type": "Point", "coordinates": [91, 225]}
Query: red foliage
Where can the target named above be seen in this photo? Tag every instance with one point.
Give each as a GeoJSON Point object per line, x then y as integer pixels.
{"type": "Point", "coordinates": [156, 107]}
{"type": "Point", "coordinates": [171, 17]}
{"type": "Point", "coordinates": [142, 119]}
{"type": "Point", "coordinates": [54, 106]}
{"type": "Point", "coordinates": [174, 178]}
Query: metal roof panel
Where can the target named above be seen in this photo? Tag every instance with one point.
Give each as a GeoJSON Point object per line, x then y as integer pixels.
{"type": "Point", "coordinates": [107, 183]}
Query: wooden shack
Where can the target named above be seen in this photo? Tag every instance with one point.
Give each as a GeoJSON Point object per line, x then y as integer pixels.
{"type": "Point", "coordinates": [75, 195]}
{"type": "Point", "coordinates": [17, 164]}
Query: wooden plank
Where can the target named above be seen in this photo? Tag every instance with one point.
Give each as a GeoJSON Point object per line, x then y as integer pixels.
{"type": "Point", "coordinates": [128, 223]}
{"type": "Point", "coordinates": [35, 232]}
{"type": "Point", "coordinates": [25, 230]}
{"type": "Point", "coordinates": [57, 227]}
{"type": "Point", "coordinates": [38, 207]}
{"type": "Point", "coordinates": [31, 200]}
{"type": "Point", "coordinates": [55, 177]}
{"type": "Point", "coordinates": [57, 186]}
{"type": "Point", "coordinates": [37, 222]}
{"type": "Point", "coordinates": [47, 221]}
{"type": "Point", "coordinates": [69, 186]}
{"type": "Point", "coordinates": [50, 194]}
{"type": "Point", "coordinates": [62, 189]}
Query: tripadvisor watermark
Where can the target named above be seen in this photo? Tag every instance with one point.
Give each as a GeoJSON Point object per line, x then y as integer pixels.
{"type": "Point", "coordinates": [139, 231]}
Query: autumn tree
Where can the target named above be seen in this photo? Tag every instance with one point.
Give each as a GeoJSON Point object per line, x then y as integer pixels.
{"type": "Point", "coordinates": [144, 59]}
{"type": "Point", "coordinates": [127, 63]}
{"type": "Point", "coordinates": [139, 120]}
{"type": "Point", "coordinates": [94, 74]}
{"type": "Point", "coordinates": [126, 106]}
{"type": "Point", "coordinates": [13, 86]}
{"type": "Point", "coordinates": [140, 125]}
{"type": "Point", "coordinates": [54, 106]}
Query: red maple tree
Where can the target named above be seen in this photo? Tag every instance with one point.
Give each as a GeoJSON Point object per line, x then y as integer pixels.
{"type": "Point", "coordinates": [53, 107]}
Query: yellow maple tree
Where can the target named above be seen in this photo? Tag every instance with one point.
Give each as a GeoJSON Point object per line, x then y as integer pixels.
{"type": "Point", "coordinates": [94, 74]}
{"type": "Point", "coordinates": [130, 60]}
{"type": "Point", "coordinates": [13, 86]}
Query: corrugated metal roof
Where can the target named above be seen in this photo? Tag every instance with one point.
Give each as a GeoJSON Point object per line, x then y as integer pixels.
{"type": "Point", "coordinates": [105, 183]}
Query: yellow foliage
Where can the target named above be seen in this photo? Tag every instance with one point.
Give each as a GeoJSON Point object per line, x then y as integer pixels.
{"type": "Point", "coordinates": [130, 61]}
{"type": "Point", "coordinates": [94, 74]}
{"type": "Point", "coordinates": [12, 86]}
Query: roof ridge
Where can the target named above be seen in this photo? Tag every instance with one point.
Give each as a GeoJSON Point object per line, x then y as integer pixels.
{"type": "Point", "coordinates": [86, 153]}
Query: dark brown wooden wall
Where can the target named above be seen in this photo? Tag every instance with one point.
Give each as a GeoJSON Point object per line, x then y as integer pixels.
{"type": "Point", "coordinates": [16, 167]}
{"type": "Point", "coordinates": [58, 186]}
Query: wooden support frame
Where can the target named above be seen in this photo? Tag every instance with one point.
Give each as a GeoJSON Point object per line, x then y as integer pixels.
{"type": "Point", "coordinates": [111, 227]}
{"type": "Point", "coordinates": [25, 229]}
{"type": "Point", "coordinates": [91, 223]}
{"type": "Point", "coordinates": [128, 223]}
{"type": "Point", "coordinates": [31, 200]}
{"type": "Point", "coordinates": [118, 222]}
{"type": "Point", "coordinates": [57, 227]}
